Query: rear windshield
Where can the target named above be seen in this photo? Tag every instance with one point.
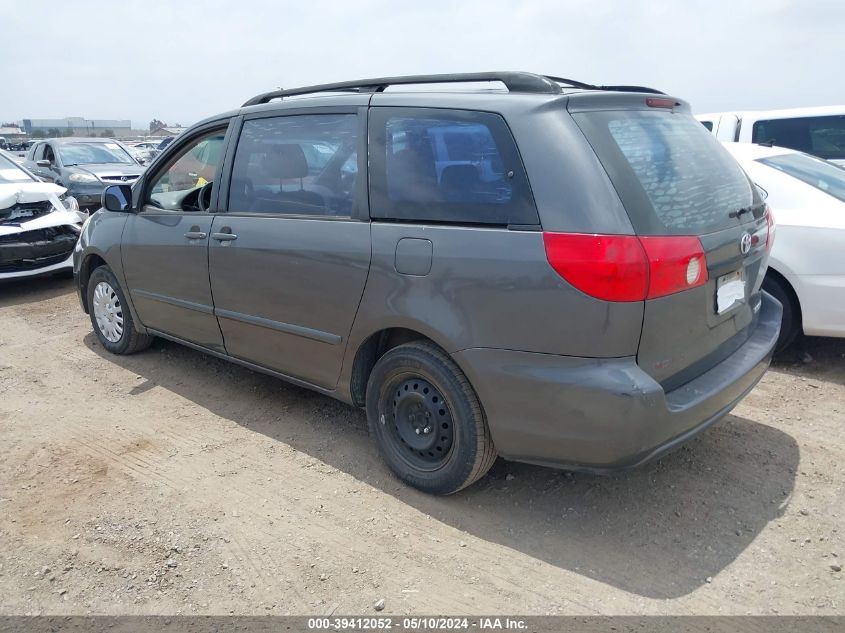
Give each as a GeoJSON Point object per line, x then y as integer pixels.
{"type": "Point", "coordinates": [671, 174]}
{"type": "Point", "coordinates": [814, 171]}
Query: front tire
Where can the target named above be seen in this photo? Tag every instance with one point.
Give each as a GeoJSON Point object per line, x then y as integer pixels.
{"type": "Point", "coordinates": [110, 315]}
{"type": "Point", "coordinates": [427, 419]}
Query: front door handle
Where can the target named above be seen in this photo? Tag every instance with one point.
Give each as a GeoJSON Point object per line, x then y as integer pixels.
{"type": "Point", "coordinates": [196, 235]}
{"type": "Point", "coordinates": [224, 237]}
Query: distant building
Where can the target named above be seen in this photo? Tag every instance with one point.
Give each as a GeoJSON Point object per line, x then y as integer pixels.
{"type": "Point", "coordinates": [78, 126]}
{"type": "Point", "coordinates": [11, 132]}
{"type": "Point", "coordinates": [168, 130]}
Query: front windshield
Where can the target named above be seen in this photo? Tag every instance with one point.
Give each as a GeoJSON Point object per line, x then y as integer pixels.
{"type": "Point", "coordinates": [93, 154]}
{"type": "Point", "coordinates": [11, 173]}
{"type": "Point", "coordinates": [815, 172]}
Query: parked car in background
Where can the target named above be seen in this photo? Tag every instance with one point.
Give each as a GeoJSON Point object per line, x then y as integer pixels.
{"type": "Point", "coordinates": [84, 166]}
{"type": "Point", "coordinates": [818, 131]}
{"type": "Point", "coordinates": [19, 149]}
{"type": "Point", "coordinates": [39, 224]}
{"type": "Point", "coordinates": [167, 140]}
{"type": "Point", "coordinates": [807, 265]}
{"type": "Point", "coordinates": [386, 248]}
{"type": "Point", "coordinates": [147, 144]}
{"type": "Point", "coordinates": [142, 152]}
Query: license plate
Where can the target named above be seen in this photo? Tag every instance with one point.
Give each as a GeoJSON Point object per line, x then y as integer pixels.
{"type": "Point", "coordinates": [730, 290]}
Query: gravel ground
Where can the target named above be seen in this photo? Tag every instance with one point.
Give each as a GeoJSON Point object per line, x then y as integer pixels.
{"type": "Point", "coordinates": [171, 482]}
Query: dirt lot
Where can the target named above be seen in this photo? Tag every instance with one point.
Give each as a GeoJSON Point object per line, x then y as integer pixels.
{"type": "Point", "coordinates": [171, 482]}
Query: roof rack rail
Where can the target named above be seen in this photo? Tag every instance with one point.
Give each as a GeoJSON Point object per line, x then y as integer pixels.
{"type": "Point", "coordinates": [514, 82]}
{"type": "Point", "coordinates": [579, 84]}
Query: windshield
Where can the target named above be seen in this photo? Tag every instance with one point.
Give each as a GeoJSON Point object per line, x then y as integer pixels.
{"type": "Point", "coordinates": [814, 171]}
{"type": "Point", "coordinates": [11, 173]}
{"type": "Point", "coordinates": [93, 154]}
{"type": "Point", "coordinates": [672, 175]}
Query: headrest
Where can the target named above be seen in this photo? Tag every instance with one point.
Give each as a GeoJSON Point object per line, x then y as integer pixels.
{"type": "Point", "coordinates": [457, 175]}
{"type": "Point", "coordinates": [287, 161]}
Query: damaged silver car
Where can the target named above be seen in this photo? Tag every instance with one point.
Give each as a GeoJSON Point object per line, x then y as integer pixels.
{"type": "Point", "coordinates": [39, 224]}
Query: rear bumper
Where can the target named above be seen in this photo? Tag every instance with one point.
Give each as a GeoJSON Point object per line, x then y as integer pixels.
{"type": "Point", "coordinates": [603, 415]}
{"type": "Point", "coordinates": [822, 299]}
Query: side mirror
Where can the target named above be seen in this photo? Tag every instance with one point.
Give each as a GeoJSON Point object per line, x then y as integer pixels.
{"type": "Point", "coordinates": [43, 163]}
{"type": "Point", "coordinates": [117, 198]}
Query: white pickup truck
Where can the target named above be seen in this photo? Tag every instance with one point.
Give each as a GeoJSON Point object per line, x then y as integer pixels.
{"type": "Point", "coordinates": [819, 131]}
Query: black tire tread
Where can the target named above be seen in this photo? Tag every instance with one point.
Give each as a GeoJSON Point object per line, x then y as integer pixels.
{"type": "Point", "coordinates": [485, 451]}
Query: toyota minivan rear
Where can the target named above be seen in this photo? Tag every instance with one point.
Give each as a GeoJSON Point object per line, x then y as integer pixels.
{"type": "Point", "coordinates": [702, 233]}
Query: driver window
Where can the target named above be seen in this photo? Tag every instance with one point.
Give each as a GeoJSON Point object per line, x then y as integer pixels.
{"type": "Point", "coordinates": [48, 154]}
{"type": "Point", "coordinates": [177, 186]}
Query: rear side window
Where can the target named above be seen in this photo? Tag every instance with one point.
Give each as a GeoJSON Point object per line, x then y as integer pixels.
{"type": "Point", "coordinates": [673, 177]}
{"type": "Point", "coordinates": [296, 165]}
{"type": "Point", "coordinates": [446, 166]}
{"type": "Point", "coordinates": [708, 125]}
{"type": "Point", "coordinates": [823, 136]}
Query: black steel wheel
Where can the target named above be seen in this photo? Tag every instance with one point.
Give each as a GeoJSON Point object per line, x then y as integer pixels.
{"type": "Point", "coordinates": [422, 429]}
{"type": "Point", "coordinates": [427, 419]}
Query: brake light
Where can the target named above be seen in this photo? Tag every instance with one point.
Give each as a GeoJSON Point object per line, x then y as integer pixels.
{"type": "Point", "coordinates": [771, 227]}
{"type": "Point", "coordinates": [608, 267]}
{"type": "Point", "coordinates": [627, 267]}
{"type": "Point", "coordinates": [654, 102]}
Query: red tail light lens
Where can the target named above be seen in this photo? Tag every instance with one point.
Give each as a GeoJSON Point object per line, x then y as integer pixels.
{"type": "Point", "coordinates": [675, 263]}
{"type": "Point", "coordinates": [607, 267]}
{"type": "Point", "coordinates": [772, 226]}
{"type": "Point", "coordinates": [627, 267]}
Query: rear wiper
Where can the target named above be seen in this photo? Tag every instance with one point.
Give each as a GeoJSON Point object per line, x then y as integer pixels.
{"type": "Point", "coordinates": [739, 212]}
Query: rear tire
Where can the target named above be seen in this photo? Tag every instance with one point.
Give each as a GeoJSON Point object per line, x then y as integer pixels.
{"type": "Point", "coordinates": [427, 420]}
{"type": "Point", "coordinates": [791, 324]}
{"type": "Point", "coordinates": [110, 315]}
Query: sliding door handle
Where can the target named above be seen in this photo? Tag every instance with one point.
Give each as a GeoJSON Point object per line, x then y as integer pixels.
{"type": "Point", "coordinates": [224, 237]}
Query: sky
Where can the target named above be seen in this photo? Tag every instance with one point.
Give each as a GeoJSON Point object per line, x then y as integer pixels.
{"type": "Point", "coordinates": [183, 60]}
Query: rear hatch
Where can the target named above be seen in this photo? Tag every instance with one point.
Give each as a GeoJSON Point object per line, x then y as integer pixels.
{"type": "Point", "coordinates": [699, 218]}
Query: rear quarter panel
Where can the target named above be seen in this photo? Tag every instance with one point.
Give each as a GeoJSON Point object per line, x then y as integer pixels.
{"type": "Point", "coordinates": [493, 288]}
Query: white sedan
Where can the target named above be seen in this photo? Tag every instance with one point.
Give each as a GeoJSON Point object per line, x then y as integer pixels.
{"type": "Point", "coordinates": [807, 265]}
{"type": "Point", "coordinates": [39, 224]}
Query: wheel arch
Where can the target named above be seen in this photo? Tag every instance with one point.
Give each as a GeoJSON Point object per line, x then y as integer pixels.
{"type": "Point", "coordinates": [373, 347]}
{"type": "Point", "coordinates": [781, 279]}
{"type": "Point", "coordinates": [90, 262]}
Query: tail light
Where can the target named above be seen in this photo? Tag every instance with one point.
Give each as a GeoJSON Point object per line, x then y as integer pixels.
{"type": "Point", "coordinates": [627, 267]}
{"type": "Point", "coordinates": [770, 224]}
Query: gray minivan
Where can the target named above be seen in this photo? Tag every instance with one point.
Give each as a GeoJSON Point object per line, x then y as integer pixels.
{"type": "Point", "coordinates": [553, 272]}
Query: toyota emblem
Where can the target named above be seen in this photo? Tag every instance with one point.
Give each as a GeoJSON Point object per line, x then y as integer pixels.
{"type": "Point", "coordinates": [124, 178]}
{"type": "Point", "coordinates": [745, 244]}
